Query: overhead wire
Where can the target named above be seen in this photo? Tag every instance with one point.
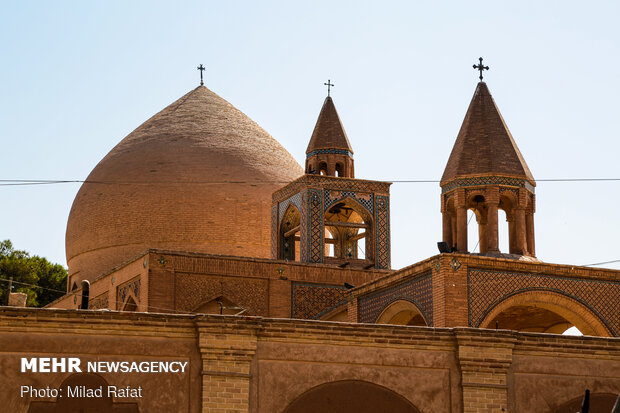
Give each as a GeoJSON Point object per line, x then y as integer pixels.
{"type": "Point", "coordinates": [24, 182]}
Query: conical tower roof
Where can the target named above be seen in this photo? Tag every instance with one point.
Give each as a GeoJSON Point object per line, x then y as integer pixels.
{"type": "Point", "coordinates": [328, 132]}
{"type": "Point", "coordinates": [484, 145]}
{"type": "Point", "coordinates": [198, 176]}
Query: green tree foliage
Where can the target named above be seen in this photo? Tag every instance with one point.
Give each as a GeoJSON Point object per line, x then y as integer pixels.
{"type": "Point", "coordinates": [49, 279]}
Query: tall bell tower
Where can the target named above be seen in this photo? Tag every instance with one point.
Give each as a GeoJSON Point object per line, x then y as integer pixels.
{"type": "Point", "coordinates": [485, 173]}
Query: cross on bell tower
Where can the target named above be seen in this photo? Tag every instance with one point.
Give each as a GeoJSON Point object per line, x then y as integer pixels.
{"type": "Point", "coordinates": [480, 67]}
{"type": "Point", "coordinates": [329, 85]}
{"type": "Point", "coordinates": [202, 69]}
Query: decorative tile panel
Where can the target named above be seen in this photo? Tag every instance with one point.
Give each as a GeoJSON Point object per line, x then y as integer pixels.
{"type": "Point", "coordinates": [312, 301]}
{"type": "Point", "coordinates": [330, 151]}
{"type": "Point", "coordinates": [316, 230]}
{"type": "Point", "coordinates": [382, 232]}
{"type": "Point", "coordinates": [417, 290]}
{"type": "Point", "coordinates": [99, 302]}
{"type": "Point", "coordinates": [364, 199]}
{"type": "Point", "coordinates": [487, 180]}
{"type": "Point", "coordinates": [275, 222]}
{"type": "Point", "coordinates": [488, 288]}
{"type": "Point", "coordinates": [304, 228]}
{"type": "Point", "coordinates": [131, 287]}
{"type": "Point", "coordinates": [294, 199]}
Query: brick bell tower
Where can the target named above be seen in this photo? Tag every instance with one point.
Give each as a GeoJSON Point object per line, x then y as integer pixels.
{"type": "Point", "coordinates": [327, 216]}
{"type": "Point", "coordinates": [486, 172]}
{"type": "Point", "coordinates": [329, 151]}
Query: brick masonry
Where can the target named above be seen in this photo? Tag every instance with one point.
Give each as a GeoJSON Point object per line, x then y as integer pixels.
{"type": "Point", "coordinates": [235, 363]}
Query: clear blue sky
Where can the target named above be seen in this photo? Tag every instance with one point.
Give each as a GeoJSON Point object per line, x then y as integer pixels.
{"type": "Point", "coordinates": [77, 77]}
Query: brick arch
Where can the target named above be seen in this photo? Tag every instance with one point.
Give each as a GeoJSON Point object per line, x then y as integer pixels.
{"type": "Point", "coordinates": [354, 203]}
{"type": "Point", "coordinates": [576, 312]}
{"type": "Point", "coordinates": [398, 306]}
{"type": "Point", "coordinates": [350, 396]}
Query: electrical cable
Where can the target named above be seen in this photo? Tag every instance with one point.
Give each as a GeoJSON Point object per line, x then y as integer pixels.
{"type": "Point", "coordinates": [24, 182]}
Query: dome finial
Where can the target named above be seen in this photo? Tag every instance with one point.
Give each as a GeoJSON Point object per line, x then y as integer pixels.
{"type": "Point", "coordinates": [329, 85]}
{"type": "Point", "coordinates": [202, 69]}
{"type": "Point", "coordinates": [480, 67]}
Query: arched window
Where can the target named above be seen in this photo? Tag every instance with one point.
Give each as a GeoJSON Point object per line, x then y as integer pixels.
{"type": "Point", "coordinates": [289, 234]}
{"type": "Point", "coordinates": [323, 168]}
{"type": "Point", "coordinates": [339, 169]}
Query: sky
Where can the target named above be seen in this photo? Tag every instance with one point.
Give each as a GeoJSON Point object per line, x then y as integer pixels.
{"type": "Point", "coordinates": [77, 77]}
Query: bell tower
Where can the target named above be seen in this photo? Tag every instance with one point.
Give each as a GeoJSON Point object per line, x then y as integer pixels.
{"type": "Point", "coordinates": [327, 216]}
{"type": "Point", "coordinates": [329, 151]}
{"type": "Point", "coordinates": [485, 173]}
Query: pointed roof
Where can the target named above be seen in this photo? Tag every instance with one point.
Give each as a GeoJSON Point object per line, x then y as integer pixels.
{"type": "Point", "coordinates": [328, 132]}
{"type": "Point", "coordinates": [484, 145]}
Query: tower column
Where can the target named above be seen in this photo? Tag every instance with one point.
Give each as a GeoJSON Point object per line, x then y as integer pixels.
{"type": "Point", "coordinates": [529, 224]}
{"type": "Point", "coordinates": [453, 226]}
{"type": "Point", "coordinates": [492, 232]}
{"type": "Point", "coordinates": [447, 228]}
{"type": "Point", "coordinates": [512, 239]}
{"type": "Point", "coordinates": [520, 231]}
{"type": "Point", "coordinates": [482, 234]}
{"type": "Point", "coordinates": [461, 228]}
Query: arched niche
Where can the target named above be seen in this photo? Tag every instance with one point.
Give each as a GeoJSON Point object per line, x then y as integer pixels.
{"type": "Point", "coordinates": [402, 312]}
{"type": "Point", "coordinates": [544, 311]}
{"type": "Point", "coordinates": [289, 234]}
{"type": "Point", "coordinates": [350, 396]}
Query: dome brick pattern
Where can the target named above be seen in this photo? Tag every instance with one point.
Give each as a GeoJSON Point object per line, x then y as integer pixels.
{"type": "Point", "coordinates": [198, 176]}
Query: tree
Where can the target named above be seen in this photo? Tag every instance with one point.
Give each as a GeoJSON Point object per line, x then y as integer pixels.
{"type": "Point", "coordinates": [41, 280]}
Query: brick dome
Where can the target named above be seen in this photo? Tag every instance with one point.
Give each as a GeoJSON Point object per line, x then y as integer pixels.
{"type": "Point", "coordinates": [174, 183]}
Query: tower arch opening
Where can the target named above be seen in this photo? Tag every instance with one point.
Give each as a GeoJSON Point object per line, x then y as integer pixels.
{"type": "Point", "coordinates": [348, 223]}
{"type": "Point", "coordinates": [289, 234]}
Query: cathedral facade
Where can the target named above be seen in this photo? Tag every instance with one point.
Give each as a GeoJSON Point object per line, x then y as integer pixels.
{"type": "Point", "coordinates": [198, 237]}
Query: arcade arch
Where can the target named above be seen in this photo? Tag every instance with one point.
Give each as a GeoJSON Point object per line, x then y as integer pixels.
{"type": "Point", "coordinates": [402, 312]}
{"type": "Point", "coordinates": [545, 312]}
{"type": "Point", "coordinates": [350, 396]}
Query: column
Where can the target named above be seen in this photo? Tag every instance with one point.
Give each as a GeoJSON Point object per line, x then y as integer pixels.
{"type": "Point", "coordinates": [461, 229]}
{"type": "Point", "coordinates": [447, 228]}
{"type": "Point", "coordinates": [529, 224]}
{"type": "Point", "coordinates": [520, 231]}
{"type": "Point", "coordinates": [227, 350]}
{"type": "Point", "coordinates": [482, 234]}
{"type": "Point", "coordinates": [512, 244]}
{"type": "Point", "coordinates": [484, 361]}
{"type": "Point", "coordinates": [492, 232]}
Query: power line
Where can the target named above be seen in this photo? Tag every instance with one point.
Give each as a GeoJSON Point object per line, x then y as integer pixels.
{"type": "Point", "coordinates": [600, 263]}
{"type": "Point", "coordinates": [27, 182]}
